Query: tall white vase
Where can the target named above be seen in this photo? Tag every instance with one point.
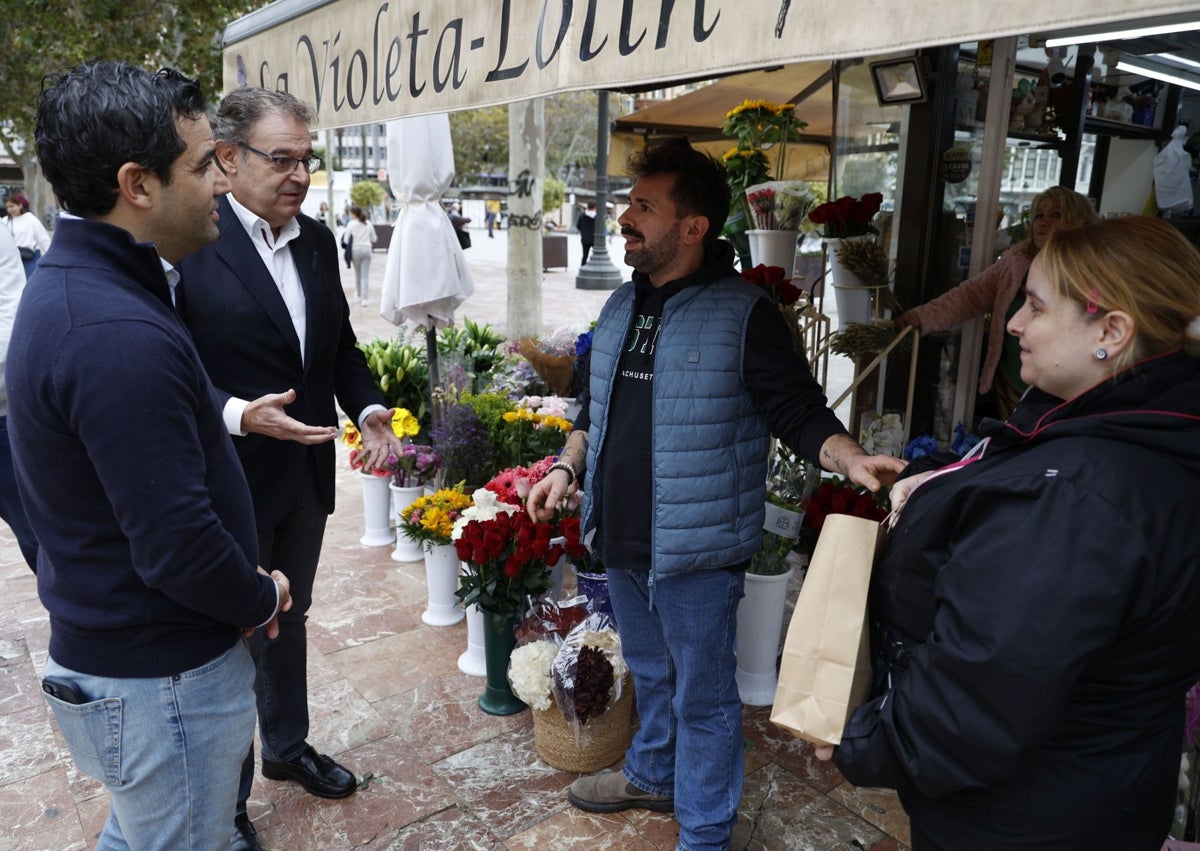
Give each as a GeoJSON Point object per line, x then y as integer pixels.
{"type": "Point", "coordinates": [473, 661]}
{"type": "Point", "coordinates": [759, 627]}
{"type": "Point", "coordinates": [377, 511]}
{"type": "Point", "coordinates": [839, 274]}
{"type": "Point", "coordinates": [406, 548]}
{"type": "Point", "coordinates": [774, 248]}
{"type": "Point", "coordinates": [441, 580]}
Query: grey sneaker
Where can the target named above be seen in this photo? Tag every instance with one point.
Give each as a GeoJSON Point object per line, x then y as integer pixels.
{"type": "Point", "coordinates": [611, 792]}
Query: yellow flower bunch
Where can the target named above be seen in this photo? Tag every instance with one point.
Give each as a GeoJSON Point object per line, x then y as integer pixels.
{"type": "Point", "coordinates": [431, 518]}
{"type": "Point", "coordinates": [404, 424]}
{"type": "Point", "coordinates": [538, 420]}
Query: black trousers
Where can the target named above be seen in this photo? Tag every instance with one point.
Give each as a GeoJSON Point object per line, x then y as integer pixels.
{"type": "Point", "coordinates": [293, 546]}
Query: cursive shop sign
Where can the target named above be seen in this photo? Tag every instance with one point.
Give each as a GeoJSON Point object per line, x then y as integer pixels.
{"type": "Point", "coordinates": [372, 60]}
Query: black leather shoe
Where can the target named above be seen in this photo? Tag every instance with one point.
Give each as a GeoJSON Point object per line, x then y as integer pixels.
{"type": "Point", "coordinates": [317, 773]}
{"type": "Point", "coordinates": [244, 836]}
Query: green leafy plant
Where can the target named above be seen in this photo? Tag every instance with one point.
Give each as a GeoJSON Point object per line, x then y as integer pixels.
{"type": "Point", "coordinates": [401, 374]}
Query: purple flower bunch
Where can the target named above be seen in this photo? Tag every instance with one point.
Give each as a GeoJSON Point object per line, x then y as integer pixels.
{"type": "Point", "coordinates": [463, 442]}
{"type": "Point", "coordinates": [416, 465]}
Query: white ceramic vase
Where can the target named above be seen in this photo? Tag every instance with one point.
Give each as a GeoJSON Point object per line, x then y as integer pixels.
{"type": "Point", "coordinates": [473, 661]}
{"type": "Point", "coordinates": [406, 548]}
{"type": "Point", "coordinates": [759, 627]}
{"type": "Point", "coordinates": [441, 580]}
{"type": "Point", "coordinates": [377, 511]}
{"type": "Point", "coordinates": [774, 248]}
{"type": "Point", "coordinates": [855, 300]}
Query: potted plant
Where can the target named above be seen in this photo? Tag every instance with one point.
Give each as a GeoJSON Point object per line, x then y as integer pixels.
{"type": "Point", "coordinates": [377, 497]}
{"type": "Point", "coordinates": [430, 520]}
{"type": "Point", "coordinates": [858, 266]}
{"type": "Point", "coordinates": [761, 609]}
{"type": "Point", "coordinates": [771, 208]}
{"type": "Point", "coordinates": [415, 468]}
{"type": "Point", "coordinates": [506, 557]}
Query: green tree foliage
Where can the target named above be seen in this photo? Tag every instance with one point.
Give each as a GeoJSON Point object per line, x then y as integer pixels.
{"type": "Point", "coordinates": [553, 193]}
{"type": "Point", "coordinates": [481, 137]}
{"type": "Point", "coordinates": [366, 194]}
{"type": "Point", "coordinates": [48, 36]}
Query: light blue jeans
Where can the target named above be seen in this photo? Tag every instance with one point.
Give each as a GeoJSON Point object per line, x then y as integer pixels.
{"type": "Point", "coordinates": [168, 749]}
{"type": "Point", "coordinates": [680, 652]}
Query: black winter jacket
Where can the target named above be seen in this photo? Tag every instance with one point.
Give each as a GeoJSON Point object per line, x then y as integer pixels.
{"type": "Point", "coordinates": [1038, 611]}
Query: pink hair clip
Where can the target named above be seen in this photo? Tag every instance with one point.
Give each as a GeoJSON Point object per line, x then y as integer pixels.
{"type": "Point", "coordinates": [1092, 302]}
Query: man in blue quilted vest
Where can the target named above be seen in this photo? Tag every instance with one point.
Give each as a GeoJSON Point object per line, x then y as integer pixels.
{"type": "Point", "coordinates": [692, 369]}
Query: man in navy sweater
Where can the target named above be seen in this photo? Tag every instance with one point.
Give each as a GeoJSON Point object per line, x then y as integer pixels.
{"type": "Point", "coordinates": [148, 550]}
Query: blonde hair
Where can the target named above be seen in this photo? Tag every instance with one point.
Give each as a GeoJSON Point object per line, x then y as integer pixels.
{"type": "Point", "coordinates": [1135, 264]}
{"type": "Point", "coordinates": [1076, 209]}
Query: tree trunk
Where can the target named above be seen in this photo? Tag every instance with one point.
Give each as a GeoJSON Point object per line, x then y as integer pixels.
{"type": "Point", "coordinates": [526, 171]}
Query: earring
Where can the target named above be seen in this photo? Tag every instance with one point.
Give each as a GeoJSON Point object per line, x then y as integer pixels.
{"type": "Point", "coordinates": [1101, 354]}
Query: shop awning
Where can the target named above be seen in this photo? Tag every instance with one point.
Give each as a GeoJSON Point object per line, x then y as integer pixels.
{"type": "Point", "coordinates": [361, 61]}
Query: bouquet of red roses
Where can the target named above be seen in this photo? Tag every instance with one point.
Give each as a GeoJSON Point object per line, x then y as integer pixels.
{"type": "Point", "coordinates": [847, 216]}
{"type": "Point", "coordinates": [505, 552]}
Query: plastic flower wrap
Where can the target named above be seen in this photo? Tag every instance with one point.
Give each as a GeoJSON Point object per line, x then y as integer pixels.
{"type": "Point", "coordinates": [790, 482]}
{"type": "Point", "coordinates": [780, 204]}
{"type": "Point", "coordinates": [589, 670]}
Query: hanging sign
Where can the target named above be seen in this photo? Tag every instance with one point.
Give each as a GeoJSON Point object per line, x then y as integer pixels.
{"type": "Point", "coordinates": [358, 61]}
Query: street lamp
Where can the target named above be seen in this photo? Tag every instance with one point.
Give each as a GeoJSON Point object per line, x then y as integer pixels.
{"type": "Point", "coordinates": [599, 273]}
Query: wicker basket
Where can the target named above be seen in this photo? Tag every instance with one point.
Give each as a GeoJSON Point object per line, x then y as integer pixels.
{"type": "Point", "coordinates": [602, 741]}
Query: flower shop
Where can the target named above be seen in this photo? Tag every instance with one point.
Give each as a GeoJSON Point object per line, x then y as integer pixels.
{"type": "Point", "coordinates": [876, 179]}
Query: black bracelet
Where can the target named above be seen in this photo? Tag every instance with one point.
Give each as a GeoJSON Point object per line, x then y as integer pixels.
{"type": "Point", "coordinates": [566, 468]}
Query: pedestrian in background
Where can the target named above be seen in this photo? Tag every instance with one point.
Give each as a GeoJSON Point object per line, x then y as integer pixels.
{"type": "Point", "coordinates": [27, 231]}
{"type": "Point", "coordinates": [361, 234]}
{"type": "Point", "coordinates": [586, 225]}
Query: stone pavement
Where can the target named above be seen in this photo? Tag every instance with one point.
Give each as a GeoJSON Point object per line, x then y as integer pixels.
{"type": "Point", "coordinates": [388, 700]}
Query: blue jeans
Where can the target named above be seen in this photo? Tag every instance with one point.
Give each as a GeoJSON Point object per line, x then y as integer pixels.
{"type": "Point", "coordinates": [168, 749]}
{"type": "Point", "coordinates": [680, 652]}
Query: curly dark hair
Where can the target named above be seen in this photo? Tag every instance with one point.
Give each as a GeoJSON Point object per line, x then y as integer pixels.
{"type": "Point", "coordinates": [700, 184]}
{"type": "Point", "coordinates": [96, 117]}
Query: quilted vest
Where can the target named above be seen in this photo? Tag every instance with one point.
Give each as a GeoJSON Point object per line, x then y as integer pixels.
{"type": "Point", "coordinates": [710, 444]}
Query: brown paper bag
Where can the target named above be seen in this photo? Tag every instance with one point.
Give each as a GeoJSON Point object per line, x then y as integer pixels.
{"type": "Point", "coordinates": [826, 669]}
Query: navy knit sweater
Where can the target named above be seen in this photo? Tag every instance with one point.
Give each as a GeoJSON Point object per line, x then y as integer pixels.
{"type": "Point", "coordinates": [148, 546]}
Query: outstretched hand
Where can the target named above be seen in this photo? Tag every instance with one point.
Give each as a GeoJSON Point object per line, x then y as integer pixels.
{"type": "Point", "coordinates": [378, 440]}
{"type": "Point", "coordinates": [265, 415]}
{"type": "Point", "coordinates": [873, 471]}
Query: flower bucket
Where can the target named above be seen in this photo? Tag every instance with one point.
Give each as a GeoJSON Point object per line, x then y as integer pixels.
{"type": "Point", "coordinates": [759, 628]}
{"type": "Point", "coordinates": [839, 274]}
{"type": "Point", "coordinates": [441, 579]}
{"type": "Point", "coordinates": [854, 303]}
{"type": "Point", "coordinates": [601, 741]}
{"type": "Point", "coordinates": [473, 660]}
{"type": "Point", "coordinates": [774, 248]}
{"type": "Point", "coordinates": [499, 640]}
{"type": "Point", "coordinates": [594, 586]}
{"type": "Point", "coordinates": [406, 549]}
{"type": "Point", "coordinates": [377, 511]}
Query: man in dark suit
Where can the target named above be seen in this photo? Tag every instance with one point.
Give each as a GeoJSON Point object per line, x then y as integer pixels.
{"type": "Point", "coordinates": [271, 323]}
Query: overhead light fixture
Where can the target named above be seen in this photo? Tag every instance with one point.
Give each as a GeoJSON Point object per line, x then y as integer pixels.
{"type": "Point", "coordinates": [898, 81]}
{"type": "Point", "coordinates": [1158, 73]}
{"type": "Point", "coordinates": [1116, 32]}
{"type": "Point", "coordinates": [1172, 58]}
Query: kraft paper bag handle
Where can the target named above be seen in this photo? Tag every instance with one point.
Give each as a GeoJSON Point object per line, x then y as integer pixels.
{"type": "Point", "coordinates": [825, 673]}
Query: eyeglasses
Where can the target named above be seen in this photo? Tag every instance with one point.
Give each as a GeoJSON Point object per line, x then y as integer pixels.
{"type": "Point", "coordinates": [285, 165]}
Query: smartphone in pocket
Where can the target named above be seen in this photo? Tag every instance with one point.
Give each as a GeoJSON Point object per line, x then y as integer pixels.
{"type": "Point", "coordinates": [64, 690]}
